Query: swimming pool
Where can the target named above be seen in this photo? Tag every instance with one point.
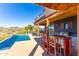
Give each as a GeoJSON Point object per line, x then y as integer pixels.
{"type": "Point", "coordinates": [10, 41]}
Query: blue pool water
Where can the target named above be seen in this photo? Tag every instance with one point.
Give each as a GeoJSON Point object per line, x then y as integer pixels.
{"type": "Point", "coordinates": [22, 37]}
{"type": "Point", "coordinates": [10, 41]}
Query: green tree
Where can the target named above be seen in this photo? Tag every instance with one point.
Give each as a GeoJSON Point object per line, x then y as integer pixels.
{"type": "Point", "coordinates": [26, 28]}
{"type": "Point", "coordinates": [30, 28]}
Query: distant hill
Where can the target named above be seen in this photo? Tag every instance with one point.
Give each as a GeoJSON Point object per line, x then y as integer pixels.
{"type": "Point", "coordinates": [9, 29]}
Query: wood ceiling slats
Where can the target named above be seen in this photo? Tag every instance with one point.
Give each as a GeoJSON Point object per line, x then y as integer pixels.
{"type": "Point", "coordinates": [64, 6]}
{"type": "Point", "coordinates": [58, 6]}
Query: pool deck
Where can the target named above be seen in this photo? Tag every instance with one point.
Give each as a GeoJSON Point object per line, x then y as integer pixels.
{"type": "Point", "coordinates": [25, 48]}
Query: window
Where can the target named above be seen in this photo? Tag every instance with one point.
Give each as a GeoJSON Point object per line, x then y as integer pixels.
{"type": "Point", "coordinates": [66, 26]}
{"type": "Point", "coordinates": [56, 26]}
{"type": "Point", "coordinates": [71, 24]}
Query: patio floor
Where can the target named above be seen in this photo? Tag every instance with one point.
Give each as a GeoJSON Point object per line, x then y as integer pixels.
{"type": "Point", "coordinates": [26, 48]}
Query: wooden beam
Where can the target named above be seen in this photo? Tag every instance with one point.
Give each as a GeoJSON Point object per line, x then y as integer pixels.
{"type": "Point", "coordinates": [38, 29]}
{"type": "Point", "coordinates": [47, 32]}
{"type": "Point", "coordinates": [47, 22]}
{"type": "Point", "coordinates": [78, 30]}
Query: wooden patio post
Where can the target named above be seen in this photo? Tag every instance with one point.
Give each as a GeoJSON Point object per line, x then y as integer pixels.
{"type": "Point", "coordinates": [38, 29]}
{"type": "Point", "coordinates": [78, 30]}
{"type": "Point", "coordinates": [47, 32]}
{"type": "Point", "coordinates": [45, 28]}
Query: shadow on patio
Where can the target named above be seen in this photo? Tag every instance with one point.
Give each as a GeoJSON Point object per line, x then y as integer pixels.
{"type": "Point", "coordinates": [39, 43]}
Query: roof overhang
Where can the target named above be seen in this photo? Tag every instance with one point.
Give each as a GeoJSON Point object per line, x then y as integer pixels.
{"type": "Point", "coordinates": [58, 6]}
{"type": "Point", "coordinates": [71, 11]}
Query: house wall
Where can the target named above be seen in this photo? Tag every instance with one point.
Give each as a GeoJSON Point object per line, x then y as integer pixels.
{"type": "Point", "coordinates": [60, 26]}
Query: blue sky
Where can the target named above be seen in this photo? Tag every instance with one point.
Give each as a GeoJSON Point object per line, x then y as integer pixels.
{"type": "Point", "coordinates": [18, 14]}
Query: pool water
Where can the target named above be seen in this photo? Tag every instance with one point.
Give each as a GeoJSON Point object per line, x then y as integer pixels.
{"type": "Point", "coordinates": [22, 37]}
{"type": "Point", "coordinates": [10, 41]}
